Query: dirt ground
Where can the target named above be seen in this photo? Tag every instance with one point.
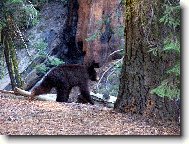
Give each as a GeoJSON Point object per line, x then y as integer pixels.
{"type": "Point", "coordinates": [21, 117]}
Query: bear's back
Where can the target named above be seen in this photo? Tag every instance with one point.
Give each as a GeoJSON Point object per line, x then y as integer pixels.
{"type": "Point", "coordinates": [68, 74]}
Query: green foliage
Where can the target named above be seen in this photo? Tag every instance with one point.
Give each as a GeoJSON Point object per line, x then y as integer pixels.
{"type": "Point", "coordinates": [31, 15]}
{"type": "Point", "coordinates": [155, 51]}
{"type": "Point", "coordinates": [42, 69]}
{"type": "Point", "coordinates": [175, 70]}
{"type": "Point", "coordinates": [171, 16]}
{"type": "Point", "coordinates": [24, 14]}
{"type": "Point", "coordinates": [40, 46]}
{"type": "Point", "coordinates": [170, 45]}
{"type": "Point", "coordinates": [15, 1]}
{"type": "Point", "coordinates": [53, 61]}
{"type": "Point", "coordinates": [167, 89]}
{"type": "Point", "coordinates": [123, 2]}
{"type": "Point", "coordinates": [170, 87]}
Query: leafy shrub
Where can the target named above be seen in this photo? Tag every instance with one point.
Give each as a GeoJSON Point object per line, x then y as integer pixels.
{"type": "Point", "coordinates": [167, 89]}
{"type": "Point", "coordinates": [42, 69]}
{"type": "Point", "coordinates": [40, 46]}
{"type": "Point", "coordinates": [171, 16]}
{"type": "Point", "coordinates": [25, 15]}
{"type": "Point", "coordinates": [53, 61]}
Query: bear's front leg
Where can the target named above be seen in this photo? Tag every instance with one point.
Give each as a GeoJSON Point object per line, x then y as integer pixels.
{"type": "Point", "coordinates": [85, 94]}
{"type": "Point", "coordinates": [63, 94]}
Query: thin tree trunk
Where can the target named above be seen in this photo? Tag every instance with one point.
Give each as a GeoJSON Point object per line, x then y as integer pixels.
{"type": "Point", "coordinates": [7, 57]}
{"type": "Point", "coordinates": [15, 65]}
{"type": "Point", "coordinates": [2, 67]}
{"type": "Point", "coordinates": [10, 57]}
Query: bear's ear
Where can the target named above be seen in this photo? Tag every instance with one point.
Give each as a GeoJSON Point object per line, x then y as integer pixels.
{"type": "Point", "coordinates": [84, 53]}
{"type": "Point", "coordinates": [80, 47]}
{"type": "Point", "coordinates": [95, 65]}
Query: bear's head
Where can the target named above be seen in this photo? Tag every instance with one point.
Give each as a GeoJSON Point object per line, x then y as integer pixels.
{"type": "Point", "coordinates": [92, 72]}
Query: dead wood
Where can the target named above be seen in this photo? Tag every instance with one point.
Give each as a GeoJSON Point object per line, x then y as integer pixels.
{"type": "Point", "coordinates": [20, 93]}
{"type": "Point", "coordinates": [17, 91]}
{"type": "Point", "coordinates": [7, 92]}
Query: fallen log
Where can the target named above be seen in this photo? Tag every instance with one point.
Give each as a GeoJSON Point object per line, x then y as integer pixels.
{"type": "Point", "coordinates": [20, 93]}
{"type": "Point", "coordinates": [52, 97]}
{"type": "Point", "coordinates": [17, 91]}
{"type": "Point", "coordinates": [7, 92]}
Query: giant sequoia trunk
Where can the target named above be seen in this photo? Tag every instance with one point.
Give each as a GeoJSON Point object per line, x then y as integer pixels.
{"type": "Point", "coordinates": [66, 48]}
{"type": "Point", "coordinates": [142, 71]}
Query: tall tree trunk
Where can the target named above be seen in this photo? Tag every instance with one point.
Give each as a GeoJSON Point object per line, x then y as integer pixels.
{"type": "Point", "coordinates": [7, 35]}
{"type": "Point", "coordinates": [18, 79]}
{"type": "Point", "coordinates": [2, 67]}
{"type": "Point", "coordinates": [142, 71]}
{"type": "Point", "coordinates": [7, 56]}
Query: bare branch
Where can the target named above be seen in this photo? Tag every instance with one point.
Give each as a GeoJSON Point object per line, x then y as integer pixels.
{"type": "Point", "coordinates": [18, 91]}
{"type": "Point", "coordinates": [107, 71]}
{"type": "Point", "coordinates": [7, 92]}
{"type": "Point", "coordinates": [115, 52]}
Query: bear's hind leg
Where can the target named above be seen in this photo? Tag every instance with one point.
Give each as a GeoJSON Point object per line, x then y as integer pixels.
{"type": "Point", "coordinates": [42, 88]}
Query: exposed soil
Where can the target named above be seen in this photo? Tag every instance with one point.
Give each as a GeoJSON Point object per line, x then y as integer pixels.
{"type": "Point", "coordinates": [21, 117]}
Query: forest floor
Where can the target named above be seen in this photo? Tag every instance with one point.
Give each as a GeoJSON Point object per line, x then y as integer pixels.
{"type": "Point", "coordinates": [21, 117]}
{"type": "Point", "coordinates": [18, 116]}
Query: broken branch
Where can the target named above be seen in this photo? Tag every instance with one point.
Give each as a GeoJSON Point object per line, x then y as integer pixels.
{"type": "Point", "coordinates": [7, 92]}
{"type": "Point", "coordinates": [18, 91]}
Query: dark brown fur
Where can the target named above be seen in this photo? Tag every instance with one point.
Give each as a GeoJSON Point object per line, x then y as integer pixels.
{"type": "Point", "coordinates": [64, 78]}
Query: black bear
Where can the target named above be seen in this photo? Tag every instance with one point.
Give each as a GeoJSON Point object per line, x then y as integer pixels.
{"type": "Point", "coordinates": [64, 78]}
